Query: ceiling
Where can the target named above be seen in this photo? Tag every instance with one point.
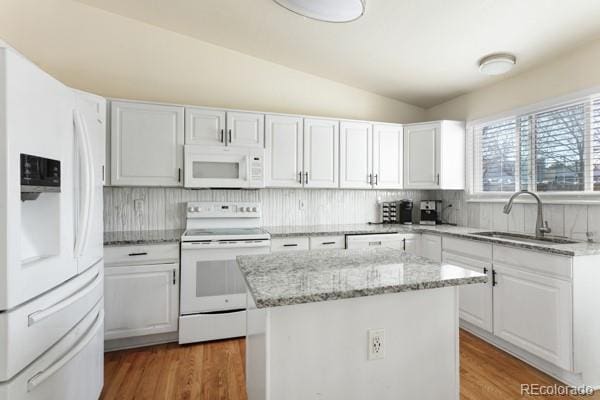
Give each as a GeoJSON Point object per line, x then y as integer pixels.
{"type": "Point", "coordinates": [422, 52]}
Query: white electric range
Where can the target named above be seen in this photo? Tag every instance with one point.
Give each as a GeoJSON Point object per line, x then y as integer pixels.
{"type": "Point", "coordinates": [213, 291]}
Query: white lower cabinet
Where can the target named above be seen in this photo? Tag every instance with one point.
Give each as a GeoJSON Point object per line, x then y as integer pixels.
{"type": "Point", "coordinates": [534, 312]}
{"type": "Point", "coordinates": [475, 301]}
{"type": "Point", "coordinates": [141, 300]}
{"type": "Point", "coordinates": [430, 246]}
{"type": "Point", "coordinates": [527, 301]}
{"type": "Point", "coordinates": [410, 243]}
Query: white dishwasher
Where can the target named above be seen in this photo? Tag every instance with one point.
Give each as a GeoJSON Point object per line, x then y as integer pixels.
{"type": "Point", "coordinates": [400, 241]}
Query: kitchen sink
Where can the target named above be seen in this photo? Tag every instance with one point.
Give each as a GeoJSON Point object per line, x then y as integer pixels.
{"type": "Point", "coordinates": [518, 237]}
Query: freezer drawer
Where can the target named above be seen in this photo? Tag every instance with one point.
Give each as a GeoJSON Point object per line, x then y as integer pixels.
{"type": "Point", "coordinates": [28, 331]}
{"type": "Point", "coordinates": [71, 370]}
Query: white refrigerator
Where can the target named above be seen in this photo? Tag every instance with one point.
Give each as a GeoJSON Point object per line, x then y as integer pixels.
{"type": "Point", "coordinates": [51, 265]}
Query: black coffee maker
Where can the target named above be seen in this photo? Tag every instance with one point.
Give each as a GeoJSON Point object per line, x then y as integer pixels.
{"type": "Point", "coordinates": [405, 210]}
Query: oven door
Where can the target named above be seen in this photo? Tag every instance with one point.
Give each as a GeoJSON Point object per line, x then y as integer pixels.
{"type": "Point", "coordinates": [211, 167]}
{"type": "Point", "coordinates": [210, 278]}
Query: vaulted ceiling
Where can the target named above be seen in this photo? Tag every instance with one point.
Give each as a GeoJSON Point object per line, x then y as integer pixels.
{"type": "Point", "coordinates": [422, 52]}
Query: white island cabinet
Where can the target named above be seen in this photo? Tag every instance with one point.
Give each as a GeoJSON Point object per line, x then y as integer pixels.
{"type": "Point", "coordinates": [313, 334]}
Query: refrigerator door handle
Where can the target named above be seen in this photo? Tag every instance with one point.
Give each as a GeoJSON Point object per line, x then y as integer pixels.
{"type": "Point", "coordinates": [84, 227]}
{"type": "Point", "coordinates": [41, 315]}
{"type": "Point", "coordinates": [41, 376]}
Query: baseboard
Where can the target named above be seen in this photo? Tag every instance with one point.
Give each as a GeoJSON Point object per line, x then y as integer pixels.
{"type": "Point", "coordinates": [566, 377]}
{"type": "Point", "coordinates": [140, 341]}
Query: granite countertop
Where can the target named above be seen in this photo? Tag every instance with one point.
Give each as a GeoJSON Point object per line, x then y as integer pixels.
{"type": "Point", "coordinates": [174, 235]}
{"type": "Point", "coordinates": [281, 279]}
{"type": "Point", "coordinates": [575, 249]}
{"type": "Point", "coordinates": [142, 237]}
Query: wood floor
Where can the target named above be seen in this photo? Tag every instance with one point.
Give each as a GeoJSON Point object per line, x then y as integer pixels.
{"type": "Point", "coordinates": [215, 371]}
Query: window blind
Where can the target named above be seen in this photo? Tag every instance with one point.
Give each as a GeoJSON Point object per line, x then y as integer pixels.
{"type": "Point", "coordinates": [555, 149]}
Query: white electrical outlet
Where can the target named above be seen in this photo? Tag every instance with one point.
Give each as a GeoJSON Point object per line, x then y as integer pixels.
{"type": "Point", "coordinates": [376, 344]}
{"type": "Point", "coordinates": [301, 205]}
{"type": "Point", "coordinates": [138, 205]}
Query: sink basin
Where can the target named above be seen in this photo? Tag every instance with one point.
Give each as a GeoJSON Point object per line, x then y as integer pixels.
{"type": "Point", "coordinates": [518, 237]}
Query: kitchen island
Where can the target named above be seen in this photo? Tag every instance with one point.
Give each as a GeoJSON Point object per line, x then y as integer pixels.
{"type": "Point", "coordinates": [352, 324]}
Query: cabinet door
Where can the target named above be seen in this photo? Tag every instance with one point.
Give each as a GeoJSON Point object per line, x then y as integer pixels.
{"type": "Point", "coordinates": [146, 144]}
{"type": "Point", "coordinates": [431, 247]}
{"type": "Point", "coordinates": [421, 156]}
{"type": "Point", "coordinates": [203, 126]}
{"type": "Point", "coordinates": [141, 300]}
{"type": "Point", "coordinates": [283, 156]}
{"type": "Point", "coordinates": [411, 244]}
{"type": "Point", "coordinates": [387, 156]}
{"type": "Point", "coordinates": [356, 164]}
{"type": "Point", "coordinates": [321, 150]}
{"type": "Point", "coordinates": [245, 129]}
{"type": "Point", "coordinates": [534, 312]}
{"type": "Point", "coordinates": [475, 301]}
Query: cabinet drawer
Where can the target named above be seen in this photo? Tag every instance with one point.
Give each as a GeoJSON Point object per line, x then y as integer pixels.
{"type": "Point", "coordinates": [203, 327]}
{"type": "Point", "coordinates": [469, 248]}
{"type": "Point", "coordinates": [289, 244]}
{"type": "Point", "coordinates": [141, 254]}
{"type": "Point", "coordinates": [327, 242]}
{"type": "Point", "coordinates": [533, 261]}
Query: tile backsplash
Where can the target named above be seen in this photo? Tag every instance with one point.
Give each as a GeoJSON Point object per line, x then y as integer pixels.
{"type": "Point", "coordinates": [144, 208]}
{"type": "Point", "coordinates": [573, 221]}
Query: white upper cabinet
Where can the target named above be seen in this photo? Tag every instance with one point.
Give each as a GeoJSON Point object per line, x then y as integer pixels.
{"type": "Point", "coordinates": [245, 129]}
{"type": "Point", "coordinates": [356, 164]}
{"type": "Point", "coordinates": [387, 156]}
{"type": "Point", "coordinates": [224, 128]}
{"type": "Point", "coordinates": [146, 144]}
{"type": "Point", "coordinates": [204, 126]}
{"type": "Point", "coordinates": [301, 152]}
{"type": "Point", "coordinates": [434, 155]}
{"type": "Point", "coordinates": [421, 156]}
{"type": "Point", "coordinates": [284, 138]}
{"type": "Point", "coordinates": [321, 149]}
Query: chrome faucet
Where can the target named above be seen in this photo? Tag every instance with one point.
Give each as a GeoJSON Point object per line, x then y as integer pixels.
{"type": "Point", "coordinates": [541, 226]}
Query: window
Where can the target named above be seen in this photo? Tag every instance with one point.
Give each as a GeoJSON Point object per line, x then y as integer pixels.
{"type": "Point", "coordinates": [551, 150]}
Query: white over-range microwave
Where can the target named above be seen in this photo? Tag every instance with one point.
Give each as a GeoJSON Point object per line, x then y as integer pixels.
{"type": "Point", "coordinates": [223, 167]}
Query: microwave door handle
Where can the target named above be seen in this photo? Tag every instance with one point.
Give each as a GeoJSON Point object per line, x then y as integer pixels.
{"type": "Point", "coordinates": [248, 177]}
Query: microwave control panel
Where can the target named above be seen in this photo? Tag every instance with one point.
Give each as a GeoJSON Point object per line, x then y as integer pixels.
{"type": "Point", "coordinates": [257, 172]}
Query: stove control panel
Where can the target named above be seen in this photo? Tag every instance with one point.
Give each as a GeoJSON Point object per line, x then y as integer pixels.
{"type": "Point", "coordinates": [208, 209]}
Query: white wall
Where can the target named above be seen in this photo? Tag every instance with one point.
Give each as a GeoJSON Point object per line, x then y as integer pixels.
{"type": "Point", "coordinates": [568, 73]}
{"type": "Point", "coordinates": [111, 55]}
{"type": "Point", "coordinates": [164, 208]}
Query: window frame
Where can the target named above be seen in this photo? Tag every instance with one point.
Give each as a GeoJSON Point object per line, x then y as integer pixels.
{"type": "Point", "coordinates": [473, 171]}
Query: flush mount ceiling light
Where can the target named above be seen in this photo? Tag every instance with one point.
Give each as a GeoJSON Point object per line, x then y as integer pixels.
{"type": "Point", "coordinates": [497, 64]}
{"type": "Point", "coordinates": [326, 10]}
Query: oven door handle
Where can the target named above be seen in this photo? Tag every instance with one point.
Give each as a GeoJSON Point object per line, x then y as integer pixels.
{"type": "Point", "coordinates": [217, 245]}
